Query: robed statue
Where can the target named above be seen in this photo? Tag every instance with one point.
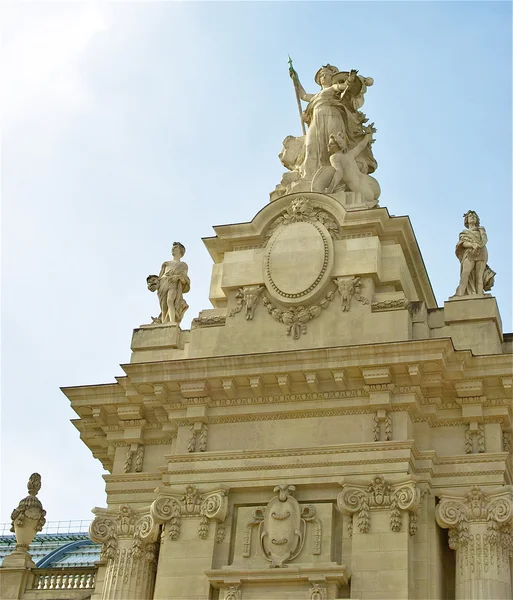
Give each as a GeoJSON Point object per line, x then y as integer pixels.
{"type": "Point", "coordinates": [476, 277]}
{"type": "Point", "coordinates": [170, 286]}
{"type": "Point", "coordinates": [331, 112]}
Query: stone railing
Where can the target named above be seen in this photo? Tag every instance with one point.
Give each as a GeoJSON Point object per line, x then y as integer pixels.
{"type": "Point", "coordinates": [70, 578]}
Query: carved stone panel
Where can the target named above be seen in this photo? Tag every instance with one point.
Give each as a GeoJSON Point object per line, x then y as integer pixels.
{"type": "Point", "coordinates": [299, 256]}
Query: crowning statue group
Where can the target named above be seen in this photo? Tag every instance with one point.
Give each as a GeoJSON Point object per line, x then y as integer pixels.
{"type": "Point", "coordinates": [334, 154]}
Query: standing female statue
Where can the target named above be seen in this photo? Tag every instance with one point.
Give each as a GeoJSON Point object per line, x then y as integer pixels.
{"type": "Point", "coordinates": [170, 286]}
{"type": "Point", "coordinates": [332, 110]}
{"type": "Point", "coordinates": [475, 275]}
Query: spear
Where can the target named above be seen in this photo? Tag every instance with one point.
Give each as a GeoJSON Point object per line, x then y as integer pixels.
{"type": "Point", "coordinates": [295, 80]}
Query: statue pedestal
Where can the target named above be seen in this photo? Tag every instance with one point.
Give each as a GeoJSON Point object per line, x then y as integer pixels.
{"type": "Point", "coordinates": [154, 342]}
{"type": "Point", "coordinates": [475, 323]}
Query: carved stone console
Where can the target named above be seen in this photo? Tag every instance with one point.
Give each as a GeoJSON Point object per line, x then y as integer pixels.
{"type": "Point", "coordinates": [480, 527]}
{"type": "Point", "coordinates": [128, 537]}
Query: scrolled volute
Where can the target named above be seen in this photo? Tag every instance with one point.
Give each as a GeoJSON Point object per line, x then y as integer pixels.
{"type": "Point", "coordinates": [215, 506]}
{"type": "Point", "coordinates": [164, 508]}
{"type": "Point", "coordinates": [501, 509]}
{"type": "Point", "coordinates": [350, 499]}
{"type": "Point", "coordinates": [407, 496]}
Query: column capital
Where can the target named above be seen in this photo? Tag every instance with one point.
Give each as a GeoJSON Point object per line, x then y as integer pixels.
{"type": "Point", "coordinates": [112, 525]}
{"type": "Point", "coordinates": [170, 507]}
{"type": "Point", "coordinates": [359, 497]}
{"type": "Point", "coordinates": [493, 507]}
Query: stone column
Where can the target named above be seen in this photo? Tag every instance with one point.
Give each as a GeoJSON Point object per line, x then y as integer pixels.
{"type": "Point", "coordinates": [128, 537]}
{"type": "Point", "coordinates": [480, 527]}
{"type": "Point", "coordinates": [194, 522]}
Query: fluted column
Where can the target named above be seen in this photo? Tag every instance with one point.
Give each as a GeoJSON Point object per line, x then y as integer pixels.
{"type": "Point", "coordinates": [128, 537]}
{"type": "Point", "coordinates": [480, 527]}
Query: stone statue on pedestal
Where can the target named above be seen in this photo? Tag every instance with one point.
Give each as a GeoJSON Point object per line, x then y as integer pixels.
{"type": "Point", "coordinates": [476, 277]}
{"type": "Point", "coordinates": [332, 111]}
{"type": "Point", "coordinates": [170, 286]}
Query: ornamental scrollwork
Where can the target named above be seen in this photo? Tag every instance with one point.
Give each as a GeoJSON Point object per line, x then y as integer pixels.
{"type": "Point", "coordinates": [169, 509]}
{"type": "Point", "coordinates": [360, 499]}
{"type": "Point", "coordinates": [282, 527]}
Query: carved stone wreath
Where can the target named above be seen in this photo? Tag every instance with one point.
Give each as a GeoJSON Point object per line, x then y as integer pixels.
{"type": "Point", "coordinates": [296, 318]}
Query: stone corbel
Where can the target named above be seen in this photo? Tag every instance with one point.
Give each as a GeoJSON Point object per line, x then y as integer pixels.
{"type": "Point", "coordinates": [360, 499]}
{"type": "Point", "coordinates": [170, 508]}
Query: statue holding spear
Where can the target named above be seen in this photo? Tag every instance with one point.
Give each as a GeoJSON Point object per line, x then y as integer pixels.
{"type": "Point", "coordinates": [331, 111]}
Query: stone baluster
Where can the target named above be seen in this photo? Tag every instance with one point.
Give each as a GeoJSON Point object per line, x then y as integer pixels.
{"type": "Point", "coordinates": [128, 537]}
{"type": "Point", "coordinates": [480, 527]}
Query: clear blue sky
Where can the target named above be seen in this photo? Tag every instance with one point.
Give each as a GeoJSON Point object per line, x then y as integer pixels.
{"type": "Point", "coordinates": [127, 126]}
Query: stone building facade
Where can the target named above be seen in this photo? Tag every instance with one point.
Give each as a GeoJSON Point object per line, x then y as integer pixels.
{"type": "Point", "coordinates": [324, 431]}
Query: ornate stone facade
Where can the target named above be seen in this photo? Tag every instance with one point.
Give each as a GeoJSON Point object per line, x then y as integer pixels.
{"type": "Point", "coordinates": [313, 434]}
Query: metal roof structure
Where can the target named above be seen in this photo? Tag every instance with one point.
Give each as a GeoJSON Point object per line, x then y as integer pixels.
{"type": "Point", "coordinates": [59, 544]}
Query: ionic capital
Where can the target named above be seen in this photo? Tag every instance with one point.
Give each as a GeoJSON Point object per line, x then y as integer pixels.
{"type": "Point", "coordinates": [111, 526]}
{"type": "Point", "coordinates": [360, 498]}
{"type": "Point", "coordinates": [170, 508]}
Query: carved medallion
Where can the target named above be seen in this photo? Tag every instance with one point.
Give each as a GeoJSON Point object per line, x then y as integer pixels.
{"type": "Point", "coordinates": [299, 256]}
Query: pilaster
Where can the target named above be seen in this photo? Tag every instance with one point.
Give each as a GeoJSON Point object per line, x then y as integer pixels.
{"type": "Point", "coordinates": [188, 539]}
{"type": "Point", "coordinates": [480, 527]}
{"type": "Point", "coordinates": [382, 520]}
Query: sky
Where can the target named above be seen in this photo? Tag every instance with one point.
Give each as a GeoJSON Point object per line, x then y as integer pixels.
{"type": "Point", "coordinates": [128, 126]}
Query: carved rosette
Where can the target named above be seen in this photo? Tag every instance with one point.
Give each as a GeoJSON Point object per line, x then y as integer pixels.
{"type": "Point", "coordinates": [169, 509]}
{"type": "Point", "coordinates": [480, 527]}
{"type": "Point", "coordinates": [128, 537]}
{"type": "Point", "coordinates": [360, 499]}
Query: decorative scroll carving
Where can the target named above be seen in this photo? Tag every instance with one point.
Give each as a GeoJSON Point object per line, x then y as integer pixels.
{"type": "Point", "coordinates": [349, 287]}
{"type": "Point", "coordinates": [248, 296]}
{"type": "Point", "coordinates": [171, 508]}
{"type": "Point", "coordinates": [506, 441]}
{"type": "Point", "coordinates": [282, 528]}
{"type": "Point", "coordinates": [300, 210]}
{"type": "Point", "coordinates": [361, 499]}
{"type": "Point", "coordinates": [297, 318]}
{"type": "Point", "coordinates": [139, 457]}
{"type": "Point", "coordinates": [318, 592]}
